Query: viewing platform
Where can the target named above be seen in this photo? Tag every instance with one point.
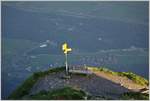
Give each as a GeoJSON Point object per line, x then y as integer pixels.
{"type": "Point", "coordinates": [80, 70]}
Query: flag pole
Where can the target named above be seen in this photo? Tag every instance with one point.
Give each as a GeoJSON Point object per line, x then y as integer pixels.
{"type": "Point", "coordinates": [66, 65]}
{"type": "Point", "coordinates": [66, 50]}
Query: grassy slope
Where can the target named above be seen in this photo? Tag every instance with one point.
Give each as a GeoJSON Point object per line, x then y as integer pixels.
{"type": "Point", "coordinates": [136, 78]}
{"type": "Point", "coordinates": [28, 83]}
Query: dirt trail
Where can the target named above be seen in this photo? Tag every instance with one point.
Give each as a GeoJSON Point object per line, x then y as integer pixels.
{"type": "Point", "coordinates": [123, 81]}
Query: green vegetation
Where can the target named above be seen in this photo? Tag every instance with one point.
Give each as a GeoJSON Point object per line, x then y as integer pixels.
{"type": "Point", "coordinates": [136, 78]}
{"type": "Point", "coordinates": [28, 83]}
{"type": "Point", "coordinates": [134, 96]}
{"type": "Point", "coordinates": [66, 93]}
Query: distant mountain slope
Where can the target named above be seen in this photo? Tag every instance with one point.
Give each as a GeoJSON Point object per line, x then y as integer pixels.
{"type": "Point", "coordinates": [87, 34]}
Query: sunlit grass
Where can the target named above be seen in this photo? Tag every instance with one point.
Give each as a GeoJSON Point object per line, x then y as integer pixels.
{"type": "Point", "coordinates": [136, 78]}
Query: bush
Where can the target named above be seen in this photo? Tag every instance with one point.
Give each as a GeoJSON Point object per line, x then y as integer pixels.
{"type": "Point", "coordinates": [135, 96]}
{"type": "Point", "coordinates": [66, 93]}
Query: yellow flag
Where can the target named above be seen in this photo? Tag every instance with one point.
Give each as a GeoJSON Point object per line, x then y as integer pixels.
{"type": "Point", "coordinates": [65, 48]}
{"type": "Point", "coordinates": [69, 49]}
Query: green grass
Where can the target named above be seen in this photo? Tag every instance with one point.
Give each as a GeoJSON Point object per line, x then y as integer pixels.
{"type": "Point", "coordinates": [66, 93]}
{"type": "Point", "coordinates": [28, 83]}
{"type": "Point", "coordinates": [134, 96]}
{"type": "Point", "coordinates": [136, 78]}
